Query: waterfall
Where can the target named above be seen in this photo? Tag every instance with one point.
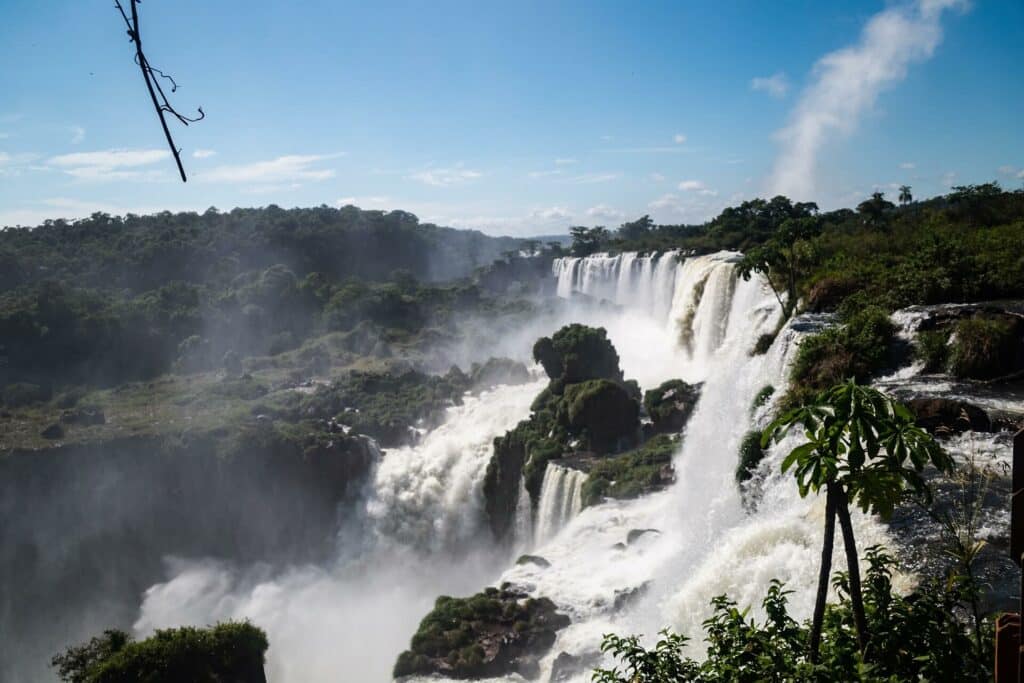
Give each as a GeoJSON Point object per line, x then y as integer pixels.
{"type": "Point", "coordinates": [561, 499]}
{"type": "Point", "coordinates": [707, 544]}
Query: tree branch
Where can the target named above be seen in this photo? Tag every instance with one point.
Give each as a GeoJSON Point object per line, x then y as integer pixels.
{"type": "Point", "coordinates": [150, 76]}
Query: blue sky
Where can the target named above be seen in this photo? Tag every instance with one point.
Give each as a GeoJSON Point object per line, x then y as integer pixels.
{"type": "Point", "coordinates": [519, 118]}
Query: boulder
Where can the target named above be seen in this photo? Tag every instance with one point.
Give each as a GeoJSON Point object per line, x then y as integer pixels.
{"type": "Point", "coordinates": [670, 405]}
{"type": "Point", "coordinates": [498, 371]}
{"type": "Point", "coordinates": [534, 560]}
{"type": "Point", "coordinates": [635, 535]}
{"type": "Point", "coordinates": [566, 667]}
{"type": "Point", "coordinates": [496, 633]}
{"type": "Point", "coordinates": [53, 431]}
{"type": "Point", "coordinates": [949, 416]}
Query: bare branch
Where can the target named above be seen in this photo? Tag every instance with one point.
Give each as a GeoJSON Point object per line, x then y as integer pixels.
{"type": "Point", "coordinates": [152, 77]}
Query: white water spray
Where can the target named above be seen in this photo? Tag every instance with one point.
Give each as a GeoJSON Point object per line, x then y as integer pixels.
{"type": "Point", "coordinates": [561, 499]}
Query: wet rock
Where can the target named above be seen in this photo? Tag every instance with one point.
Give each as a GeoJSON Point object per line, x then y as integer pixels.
{"type": "Point", "coordinates": [498, 371]}
{"type": "Point", "coordinates": [635, 534]}
{"type": "Point", "coordinates": [625, 596]}
{"type": "Point", "coordinates": [54, 431]}
{"type": "Point", "coordinates": [567, 666]}
{"type": "Point", "coordinates": [949, 416]}
{"type": "Point", "coordinates": [533, 559]}
{"type": "Point", "coordinates": [604, 411]}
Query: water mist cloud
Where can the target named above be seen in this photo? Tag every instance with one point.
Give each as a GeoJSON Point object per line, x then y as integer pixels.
{"type": "Point", "coordinates": [847, 83]}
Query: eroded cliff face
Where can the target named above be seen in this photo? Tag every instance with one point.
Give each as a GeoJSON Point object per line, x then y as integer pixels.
{"type": "Point", "coordinates": [96, 523]}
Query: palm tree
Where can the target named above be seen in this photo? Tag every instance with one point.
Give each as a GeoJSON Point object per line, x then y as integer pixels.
{"type": "Point", "coordinates": [862, 447]}
{"type": "Point", "coordinates": [905, 196]}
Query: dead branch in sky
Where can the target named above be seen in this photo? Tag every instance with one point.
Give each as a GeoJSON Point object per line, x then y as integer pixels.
{"type": "Point", "coordinates": [152, 77]}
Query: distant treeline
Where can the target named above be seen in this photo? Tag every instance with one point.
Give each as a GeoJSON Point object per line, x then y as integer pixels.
{"type": "Point", "coordinates": [107, 299]}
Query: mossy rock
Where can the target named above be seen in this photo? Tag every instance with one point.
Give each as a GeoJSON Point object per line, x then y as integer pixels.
{"type": "Point", "coordinates": [577, 353]}
{"type": "Point", "coordinates": [632, 474]}
{"type": "Point", "coordinates": [670, 405]}
{"type": "Point", "coordinates": [495, 633]}
{"type": "Point", "coordinates": [603, 412]}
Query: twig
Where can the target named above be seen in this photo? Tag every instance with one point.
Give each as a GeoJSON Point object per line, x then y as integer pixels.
{"type": "Point", "coordinates": [156, 92]}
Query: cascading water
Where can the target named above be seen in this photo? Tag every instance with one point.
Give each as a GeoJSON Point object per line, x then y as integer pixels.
{"type": "Point", "coordinates": [561, 499]}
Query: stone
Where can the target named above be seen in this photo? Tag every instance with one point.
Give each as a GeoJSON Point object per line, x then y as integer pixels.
{"type": "Point", "coordinates": [949, 416]}
{"type": "Point", "coordinates": [534, 560]}
{"type": "Point", "coordinates": [54, 431]}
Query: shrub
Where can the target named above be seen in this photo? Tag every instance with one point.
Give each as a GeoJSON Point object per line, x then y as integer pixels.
{"type": "Point", "coordinates": [229, 651]}
{"type": "Point", "coordinates": [857, 349]}
{"type": "Point", "coordinates": [931, 347]}
{"type": "Point", "coordinates": [762, 397]}
{"type": "Point", "coordinates": [631, 474]}
{"type": "Point", "coordinates": [983, 347]}
{"type": "Point", "coordinates": [751, 454]}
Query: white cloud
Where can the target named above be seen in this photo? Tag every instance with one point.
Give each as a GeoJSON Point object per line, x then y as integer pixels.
{"type": "Point", "coordinates": [948, 178]}
{"type": "Point", "coordinates": [776, 85]}
{"type": "Point", "coordinates": [603, 212]}
{"type": "Point", "coordinates": [908, 165]}
{"type": "Point", "coordinates": [77, 135]}
{"type": "Point", "coordinates": [203, 153]}
{"type": "Point", "coordinates": [553, 213]}
{"type": "Point", "coordinates": [446, 177]}
{"type": "Point", "coordinates": [847, 84]}
{"type": "Point", "coordinates": [657, 177]}
{"type": "Point", "coordinates": [592, 178]}
{"type": "Point", "coordinates": [72, 209]}
{"type": "Point", "coordinates": [545, 174]}
{"type": "Point", "coordinates": [1020, 174]}
{"type": "Point", "coordinates": [565, 162]}
{"type": "Point", "coordinates": [679, 138]}
{"type": "Point", "coordinates": [365, 202]}
{"type": "Point", "coordinates": [111, 164]}
{"type": "Point", "coordinates": [294, 168]}
{"type": "Point", "coordinates": [698, 187]}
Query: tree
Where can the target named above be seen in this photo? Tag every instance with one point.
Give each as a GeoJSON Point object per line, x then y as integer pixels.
{"type": "Point", "coordinates": [636, 229]}
{"type": "Point", "coordinates": [863, 448]}
{"type": "Point", "coordinates": [586, 241]}
{"type": "Point", "coordinates": [905, 196]}
{"type": "Point", "coordinates": [782, 258]}
{"type": "Point", "coordinates": [875, 209]}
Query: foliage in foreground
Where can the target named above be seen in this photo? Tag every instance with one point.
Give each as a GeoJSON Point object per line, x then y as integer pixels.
{"type": "Point", "coordinates": [225, 652]}
{"type": "Point", "coordinates": [913, 637]}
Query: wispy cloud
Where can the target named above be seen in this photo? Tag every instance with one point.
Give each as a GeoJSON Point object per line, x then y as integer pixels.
{"type": "Point", "coordinates": [603, 212]}
{"type": "Point", "coordinates": [378, 202]}
{"type": "Point", "coordinates": [656, 149]}
{"type": "Point", "coordinates": [776, 85]}
{"type": "Point", "coordinates": [545, 174]}
{"type": "Point", "coordinates": [111, 164]}
{"type": "Point", "coordinates": [34, 213]}
{"type": "Point", "coordinates": [698, 187]}
{"type": "Point", "coordinates": [847, 84]}
{"type": "Point", "coordinates": [446, 177]}
{"type": "Point", "coordinates": [679, 138]}
{"type": "Point", "coordinates": [77, 135]}
{"type": "Point", "coordinates": [285, 170]}
{"type": "Point", "coordinates": [657, 178]}
{"type": "Point", "coordinates": [565, 162]}
{"type": "Point", "coordinates": [552, 214]}
{"type": "Point", "coordinates": [203, 153]}
{"type": "Point", "coordinates": [1012, 171]}
{"type": "Point", "coordinates": [908, 165]}
{"type": "Point", "coordinates": [592, 178]}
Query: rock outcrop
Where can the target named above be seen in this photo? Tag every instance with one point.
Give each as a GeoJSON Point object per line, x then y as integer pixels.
{"type": "Point", "coordinates": [669, 406]}
{"type": "Point", "coordinates": [496, 633]}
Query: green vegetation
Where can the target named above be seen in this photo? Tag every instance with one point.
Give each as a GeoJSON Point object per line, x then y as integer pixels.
{"type": "Point", "coordinates": [863, 448]}
{"type": "Point", "coordinates": [962, 247]}
{"type": "Point", "coordinates": [983, 348]}
{"type": "Point", "coordinates": [225, 652]}
{"type": "Point", "coordinates": [858, 348]}
{"type": "Point", "coordinates": [914, 637]}
{"type": "Point", "coordinates": [751, 455]}
{"type": "Point", "coordinates": [450, 639]}
{"type": "Point", "coordinates": [632, 474]}
{"type": "Point", "coordinates": [931, 347]}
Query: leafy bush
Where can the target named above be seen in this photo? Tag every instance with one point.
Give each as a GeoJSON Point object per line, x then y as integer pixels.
{"type": "Point", "coordinates": [914, 637]}
{"type": "Point", "coordinates": [21, 394]}
{"type": "Point", "coordinates": [931, 347]}
{"type": "Point", "coordinates": [577, 353]}
{"type": "Point", "coordinates": [762, 396]}
{"type": "Point", "coordinates": [225, 652]}
{"type": "Point", "coordinates": [631, 474]}
{"type": "Point", "coordinates": [984, 347]}
{"type": "Point", "coordinates": [751, 454]}
{"type": "Point", "coordinates": [856, 349]}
